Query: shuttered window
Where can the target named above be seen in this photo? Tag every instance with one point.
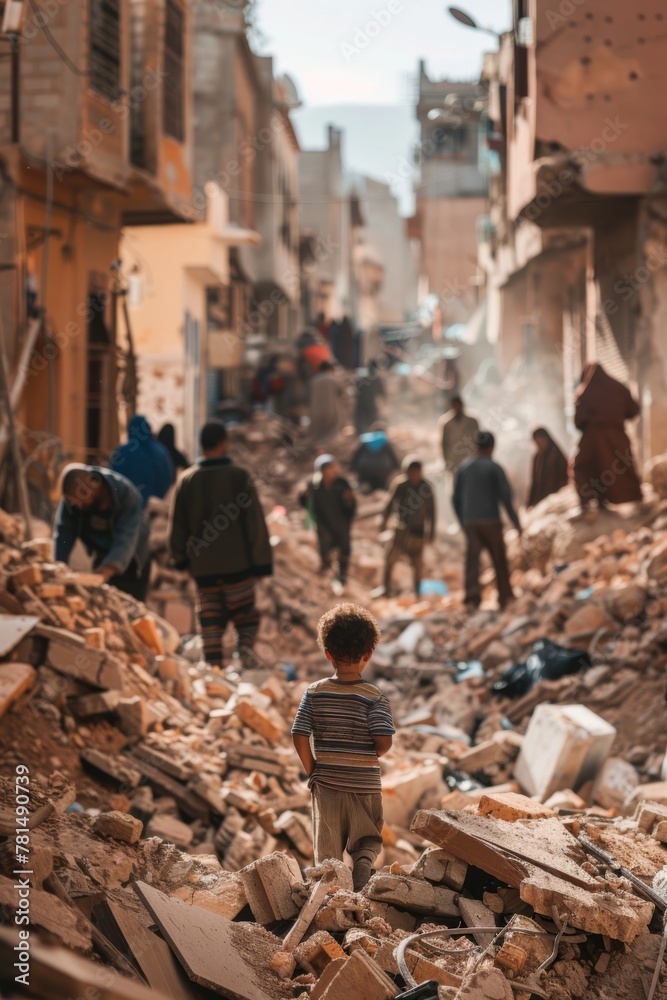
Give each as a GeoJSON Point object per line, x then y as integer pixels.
{"type": "Point", "coordinates": [173, 118]}
{"type": "Point", "coordinates": [104, 55]}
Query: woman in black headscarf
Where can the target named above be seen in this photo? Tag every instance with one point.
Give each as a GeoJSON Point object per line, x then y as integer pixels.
{"type": "Point", "coordinates": [167, 437]}
{"type": "Point", "coordinates": [550, 472]}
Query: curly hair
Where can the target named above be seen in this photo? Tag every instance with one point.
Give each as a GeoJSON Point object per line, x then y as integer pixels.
{"type": "Point", "coordinates": [348, 632]}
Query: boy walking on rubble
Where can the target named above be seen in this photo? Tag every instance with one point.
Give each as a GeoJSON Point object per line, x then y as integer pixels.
{"type": "Point", "coordinates": [350, 724]}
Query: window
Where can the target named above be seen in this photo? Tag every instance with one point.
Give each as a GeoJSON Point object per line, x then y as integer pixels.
{"type": "Point", "coordinates": [172, 94]}
{"type": "Point", "coordinates": [104, 46]}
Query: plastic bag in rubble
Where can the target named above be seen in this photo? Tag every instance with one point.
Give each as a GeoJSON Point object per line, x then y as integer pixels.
{"type": "Point", "coordinates": [192, 648]}
{"type": "Point", "coordinates": [547, 661]}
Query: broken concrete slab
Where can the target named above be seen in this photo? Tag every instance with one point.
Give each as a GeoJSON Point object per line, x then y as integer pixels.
{"type": "Point", "coordinates": [359, 976]}
{"type": "Point", "coordinates": [83, 663]}
{"type": "Point", "coordinates": [229, 958]}
{"type": "Point", "coordinates": [619, 916]}
{"type": "Point", "coordinates": [273, 886]}
{"type": "Point", "coordinates": [564, 747]}
{"type": "Point", "coordinates": [148, 952]}
{"type": "Point", "coordinates": [60, 974]}
{"type": "Point", "coordinates": [504, 849]}
{"type": "Point", "coordinates": [413, 894]}
{"type": "Point", "coordinates": [13, 628]}
{"type": "Point", "coordinates": [226, 897]}
{"type": "Point", "coordinates": [50, 913]}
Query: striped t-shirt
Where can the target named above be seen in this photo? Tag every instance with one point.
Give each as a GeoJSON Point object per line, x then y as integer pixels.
{"type": "Point", "coordinates": [343, 718]}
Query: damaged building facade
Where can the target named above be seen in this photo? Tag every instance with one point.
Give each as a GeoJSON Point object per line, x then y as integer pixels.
{"type": "Point", "coordinates": [95, 133]}
{"type": "Point", "coordinates": [575, 253]}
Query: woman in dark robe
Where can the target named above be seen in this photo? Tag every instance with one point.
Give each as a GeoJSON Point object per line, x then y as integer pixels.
{"type": "Point", "coordinates": [604, 468]}
{"type": "Point", "coordinates": [549, 468]}
{"type": "Point", "coordinates": [167, 437]}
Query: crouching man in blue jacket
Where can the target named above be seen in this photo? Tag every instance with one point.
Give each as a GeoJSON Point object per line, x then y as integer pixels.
{"type": "Point", "coordinates": [105, 511]}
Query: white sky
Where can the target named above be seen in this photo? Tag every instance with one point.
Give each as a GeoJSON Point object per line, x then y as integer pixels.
{"type": "Point", "coordinates": [308, 40]}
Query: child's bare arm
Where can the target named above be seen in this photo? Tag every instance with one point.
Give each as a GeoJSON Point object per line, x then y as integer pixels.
{"type": "Point", "coordinates": [302, 747]}
{"type": "Point", "coordinates": [382, 744]}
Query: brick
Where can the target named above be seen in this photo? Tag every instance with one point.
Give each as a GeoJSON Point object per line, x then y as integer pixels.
{"type": "Point", "coordinates": [148, 632]}
{"type": "Point", "coordinates": [15, 680]}
{"type": "Point", "coordinates": [135, 716]}
{"type": "Point", "coordinates": [259, 721]}
{"type": "Point", "coordinates": [511, 806]}
{"type": "Point", "coordinates": [319, 952]}
{"type": "Point", "coordinates": [30, 576]}
{"type": "Point", "coordinates": [49, 591]}
{"type": "Point", "coordinates": [95, 638]}
{"type": "Point", "coordinates": [119, 826]}
{"type": "Point", "coordinates": [359, 976]}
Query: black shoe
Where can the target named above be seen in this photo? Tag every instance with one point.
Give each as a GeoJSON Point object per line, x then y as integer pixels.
{"type": "Point", "coordinates": [362, 871]}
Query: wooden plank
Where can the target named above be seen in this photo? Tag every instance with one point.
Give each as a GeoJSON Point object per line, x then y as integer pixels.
{"type": "Point", "coordinates": [149, 953]}
{"type": "Point", "coordinates": [12, 630]}
{"type": "Point", "coordinates": [229, 958]}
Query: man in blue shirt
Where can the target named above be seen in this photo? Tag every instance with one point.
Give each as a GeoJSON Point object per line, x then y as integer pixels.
{"type": "Point", "coordinates": [480, 487]}
{"type": "Point", "coordinates": [105, 511]}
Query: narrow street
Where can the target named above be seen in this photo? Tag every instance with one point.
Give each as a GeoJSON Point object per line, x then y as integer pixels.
{"type": "Point", "coordinates": [333, 501]}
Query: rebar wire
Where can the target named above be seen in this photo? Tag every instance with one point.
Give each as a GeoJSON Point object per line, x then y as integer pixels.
{"type": "Point", "coordinates": [399, 951]}
{"type": "Point", "coordinates": [658, 964]}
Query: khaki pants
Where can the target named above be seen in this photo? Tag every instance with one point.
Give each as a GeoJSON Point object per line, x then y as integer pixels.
{"type": "Point", "coordinates": [408, 547]}
{"type": "Point", "coordinates": [345, 821]}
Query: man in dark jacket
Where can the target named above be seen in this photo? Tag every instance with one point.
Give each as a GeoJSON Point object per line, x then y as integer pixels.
{"type": "Point", "coordinates": [218, 533]}
{"type": "Point", "coordinates": [144, 461]}
{"type": "Point", "coordinates": [414, 505]}
{"type": "Point", "coordinates": [481, 486]}
{"type": "Point", "coordinates": [331, 503]}
{"type": "Point", "coordinates": [105, 511]}
{"type": "Point", "coordinates": [375, 460]}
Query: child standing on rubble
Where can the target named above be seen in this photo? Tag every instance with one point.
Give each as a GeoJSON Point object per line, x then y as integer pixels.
{"type": "Point", "coordinates": [350, 724]}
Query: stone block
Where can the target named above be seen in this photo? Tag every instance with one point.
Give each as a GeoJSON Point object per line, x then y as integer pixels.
{"type": "Point", "coordinates": [565, 746]}
{"type": "Point", "coordinates": [615, 783]}
{"type": "Point", "coordinates": [119, 826]}
{"type": "Point", "coordinates": [15, 680]}
{"type": "Point", "coordinates": [273, 886]}
{"type": "Point", "coordinates": [442, 868]}
{"type": "Point", "coordinates": [413, 894]}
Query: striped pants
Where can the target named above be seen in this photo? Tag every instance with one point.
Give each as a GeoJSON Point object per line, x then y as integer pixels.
{"type": "Point", "coordinates": [218, 605]}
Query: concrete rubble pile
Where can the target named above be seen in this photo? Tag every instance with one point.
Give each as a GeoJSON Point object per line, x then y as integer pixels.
{"type": "Point", "coordinates": [168, 807]}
